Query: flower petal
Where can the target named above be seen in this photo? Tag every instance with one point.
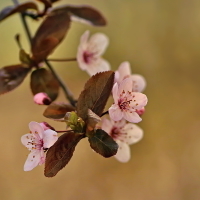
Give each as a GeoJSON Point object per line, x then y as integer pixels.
{"type": "Point", "coordinates": [100, 65]}
{"type": "Point", "coordinates": [125, 85]}
{"type": "Point", "coordinates": [106, 125]}
{"type": "Point", "coordinates": [124, 71]}
{"type": "Point", "coordinates": [115, 93]}
{"type": "Point", "coordinates": [139, 83]}
{"type": "Point", "coordinates": [115, 112]}
{"type": "Point", "coordinates": [132, 117]}
{"type": "Point", "coordinates": [36, 128]}
{"type": "Point", "coordinates": [27, 140]}
{"type": "Point", "coordinates": [123, 153]}
{"type": "Point", "coordinates": [134, 133]}
{"type": "Point", "coordinates": [50, 137]}
{"type": "Point", "coordinates": [32, 161]}
{"type": "Point", "coordinates": [139, 100]}
{"type": "Point", "coordinates": [98, 43]}
{"type": "Point", "coordinates": [84, 37]}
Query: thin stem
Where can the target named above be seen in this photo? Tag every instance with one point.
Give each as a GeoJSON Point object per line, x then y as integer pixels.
{"type": "Point", "coordinates": [66, 131]}
{"type": "Point", "coordinates": [104, 114]}
{"type": "Point", "coordinates": [28, 33]}
{"type": "Point", "coordinates": [25, 25]}
{"type": "Point", "coordinates": [62, 85]}
{"type": "Point", "coordinates": [61, 60]}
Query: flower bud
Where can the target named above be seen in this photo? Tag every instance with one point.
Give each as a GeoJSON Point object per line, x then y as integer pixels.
{"type": "Point", "coordinates": [140, 111]}
{"type": "Point", "coordinates": [42, 99]}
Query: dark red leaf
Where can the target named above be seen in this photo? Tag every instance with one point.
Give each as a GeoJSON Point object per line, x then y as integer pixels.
{"type": "Point", "coordinates": [60, 153]}
{"type": "Point", "coordinates": [95, 94]}
{"type": "Point", "coordinates": [103, 143]}
{"type": "Point", "coordinates": [86, 14]}
{"type": "Point", "coordinates": [42, 80]}
{"type": "Point", "coordinates": [10, 10]}
{"type": "Point", "coordinates": [57, 110]}
{"type": "Point", "coordinates": [12, 76]}
{"type": "Point", "coordinates": [50, 33]}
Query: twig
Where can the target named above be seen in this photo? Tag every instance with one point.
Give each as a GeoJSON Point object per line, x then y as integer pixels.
{"type": "Point", "coordinates": [61, 60]}
{"type": "Point", "coordinates": [28, 33]}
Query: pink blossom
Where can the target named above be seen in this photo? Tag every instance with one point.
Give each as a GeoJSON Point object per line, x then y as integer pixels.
{"type": "Point", "coordinates": [124, 71]}
{"type": "Point", "coordinates": [37, 142]}
{"type": "Point", "coordinates": [126, 102]}
{"type": "Point", "coordinates": [90, 51]}
{"type": "Point", "coordinates": [42, 99]}
{"type": "Point", "coordinates": [124, 134]}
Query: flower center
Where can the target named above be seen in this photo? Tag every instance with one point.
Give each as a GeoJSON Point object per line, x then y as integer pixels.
{"type": "Point", "coordinates": [125, 101]}
{"type": "Point", "coordinates": [115, 132]}
{"type": "Point", "coordinates": [87, 57]}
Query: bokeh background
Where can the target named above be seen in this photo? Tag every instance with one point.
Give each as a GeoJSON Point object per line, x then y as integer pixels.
{"type": "Point", "coordinates": [161, 40]}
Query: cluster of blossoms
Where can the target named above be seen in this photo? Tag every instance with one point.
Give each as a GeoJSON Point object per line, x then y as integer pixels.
{"type": "Point", "coordinates": [126, 110]}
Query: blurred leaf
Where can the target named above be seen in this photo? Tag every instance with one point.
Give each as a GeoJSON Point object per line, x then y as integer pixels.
{"type": "Point", "coordinates": [50, 33]}
{"type": "Point", "coordinates": [10, 10]}
{"type": "Point", "coordinates": [57, 110]}
{"type": "Point", "coordinates": [24, 57]}
{"type": "Point", "coordinates": [95, 94]}
{"type": "Point", "coordinates": [61, 152]}
{"type": "Point", "coordinates": [47, 3]}
{"type": "Point", "coordinates": [85, 14]}
{"type": "Point", "coordinates": [103, 144]}
{"type": "Point", "coordinates": [12, 76]}
{"type": "Point", "coordinates": [42, 80]}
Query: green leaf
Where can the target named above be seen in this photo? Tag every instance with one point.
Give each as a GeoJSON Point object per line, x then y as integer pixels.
{"type": "Point", "coordinates": [103, 144]}
{"type": "Point", "coordinates": [61, 152]}
{"type": "Point", "coordinates": [57, 110]}
{"type": "Point", "coordinates": [12, 76]}
{"type": "Point", "coordinates": [50, 33]}
{"type": "Point", "coordinates": [42, 80]}
{"type": "Point", "coordinates": [10, 10]}
{"type": "Point", "coordinates": [95, 94]}
{"type": "Point", "coordinates": [85, 14]}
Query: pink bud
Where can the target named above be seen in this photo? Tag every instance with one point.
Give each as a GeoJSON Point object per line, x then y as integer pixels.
{"type": "Point", "coordinates": [42, 99]}
{"type": "Point", "coordinates": [46, 126]}
{"type": "Point", "coordinates": [140, 111]}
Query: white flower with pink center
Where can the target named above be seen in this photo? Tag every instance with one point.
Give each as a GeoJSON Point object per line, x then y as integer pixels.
{"type": "Point", "coordinates": [90, 51]}
{"type": "Point", "coordinates": [124, 134]}
{"type": "Point", "coordinates": [124, 71]}
{"type": "Point", "coordinates": [37, 141]}
{"type": "Point", "coordinates": [126, 102]}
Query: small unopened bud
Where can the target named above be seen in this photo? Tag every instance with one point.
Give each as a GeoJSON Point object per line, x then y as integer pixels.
{"type": "Point", "coordinates": [46, 126]}
{"type": "Point", "coordinates": [42, 99]}
{"type": "Point", "coordinates": [140, 111]}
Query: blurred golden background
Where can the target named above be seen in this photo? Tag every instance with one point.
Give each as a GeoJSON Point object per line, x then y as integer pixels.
{"type": "Point", "coordinates": [161, 41]}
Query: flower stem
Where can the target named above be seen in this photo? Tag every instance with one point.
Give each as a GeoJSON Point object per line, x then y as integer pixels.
{"type": "Point", "coordinates": [62, 85]}
{"type": "Point", "coordinates": [104, 114]}
{"type": "Point", "coordinates": [62, 60]}
{"type": "Point", "coordinates": [28, 33]}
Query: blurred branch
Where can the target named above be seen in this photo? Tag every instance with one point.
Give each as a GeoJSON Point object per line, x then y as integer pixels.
{"type": "Point", "coordinates": [61, 60]}
{"type": "Point", "coordinates": [66, 91]}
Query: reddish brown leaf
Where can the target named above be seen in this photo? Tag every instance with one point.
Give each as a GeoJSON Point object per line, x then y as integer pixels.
{"type": "Point", "coordinates": [57, 110]}
{"type": "Point", "coordinates": [12, 76]}
{"type": "Point", "coordinates": [60, 153]}
{"type": "Point", "coordinates": [86, 14]}
{"type": "Point", "coordinates": [10, 10]}
{"type": "Point", "coordinates": [47, 3]}
{"type": "Point", "coordinates": [50, 33]}
{"type": "Point", "coordinates": [42, 80]}
{"type": "Point", "coordinates": [103, 143]}
{"type": "Point", "coordinates": [95, 94]}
